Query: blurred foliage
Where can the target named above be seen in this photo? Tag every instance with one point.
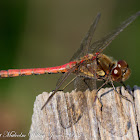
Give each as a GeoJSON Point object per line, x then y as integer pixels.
{"type": "Point", "coordinates": [47, 33]}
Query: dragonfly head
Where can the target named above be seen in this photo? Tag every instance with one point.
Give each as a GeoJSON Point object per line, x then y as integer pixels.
{"type": "Point", "coordinates": [121, 71]}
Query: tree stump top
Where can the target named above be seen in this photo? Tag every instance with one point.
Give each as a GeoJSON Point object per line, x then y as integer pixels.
{"type": "Point", "coordinates": [78, 115]}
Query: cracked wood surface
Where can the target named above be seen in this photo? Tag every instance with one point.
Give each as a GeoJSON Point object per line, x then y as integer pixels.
{"type": "Point", "coordinates": [78, 116]}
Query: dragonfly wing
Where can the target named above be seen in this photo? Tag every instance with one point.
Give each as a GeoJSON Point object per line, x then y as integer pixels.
{"type": "Point", "coordinates": [82, 84]}
{"type": "Point", "coordinates": [59, 84]}
{"type": "Point", "coordinates": [65, 75]}
{"type": "Point", "coordinates": [101, 44]}
{"type": "Point", "coordinates": [87, 40]}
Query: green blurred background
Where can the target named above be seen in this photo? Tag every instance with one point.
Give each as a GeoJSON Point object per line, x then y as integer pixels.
{"type": "Point", "coordinates": [46, 33]}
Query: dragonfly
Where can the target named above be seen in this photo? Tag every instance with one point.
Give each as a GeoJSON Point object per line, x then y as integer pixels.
{"type": "Point", "coordinates": [88, 64]}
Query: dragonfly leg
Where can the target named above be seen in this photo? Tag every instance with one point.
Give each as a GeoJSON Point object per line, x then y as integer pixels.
{"type": "Point", "coordinates": [124, 97]}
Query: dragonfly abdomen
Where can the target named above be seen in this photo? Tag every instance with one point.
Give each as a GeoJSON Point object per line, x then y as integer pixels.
{"type": "Point", "coordinates": [36, 71]}
{"type": "Point", "coordinates": [21, 72]}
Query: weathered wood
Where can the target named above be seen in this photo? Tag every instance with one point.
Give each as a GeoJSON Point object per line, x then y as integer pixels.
{"type": "Point", "coordinates": [78, 115]}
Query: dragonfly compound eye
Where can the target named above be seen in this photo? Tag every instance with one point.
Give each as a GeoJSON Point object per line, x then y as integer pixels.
{"type": "Point", "coordinates": [124, 68]}
{"type": "Point", "coordinates": [126, 74]}
{"type": "Point", "coordinates": [122, 64]}
{"type": "Point", "coordinates": [116, 74]}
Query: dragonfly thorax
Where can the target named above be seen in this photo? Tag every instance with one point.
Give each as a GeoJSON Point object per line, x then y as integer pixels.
{"type": "Point", "coordinates": [107, 67]}
{"type": "Point", "coordinates": [104, 67]}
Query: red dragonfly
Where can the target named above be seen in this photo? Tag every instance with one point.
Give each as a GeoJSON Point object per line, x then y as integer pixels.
{"type": "Point", "coordinates": [88, 63]}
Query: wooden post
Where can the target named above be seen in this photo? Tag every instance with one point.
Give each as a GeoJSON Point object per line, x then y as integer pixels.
{"type": "Point", "coordinates": [79, 116]}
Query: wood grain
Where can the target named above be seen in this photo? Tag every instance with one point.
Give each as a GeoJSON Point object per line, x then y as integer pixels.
{"type": "Point", "coordinates": [78, 116]}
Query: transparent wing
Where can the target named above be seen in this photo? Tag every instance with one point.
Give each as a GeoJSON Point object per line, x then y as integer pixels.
{"type": "Point", "coordinates": [82, 84]}
{"type": "Point", "coordinates": [59, 84]}
{"type": "Point", "coordinates": [65, 75]}
{"type": "Point", "coordinates": [87, 40]}
{"type": "Point", "coordinates": [101, 44]}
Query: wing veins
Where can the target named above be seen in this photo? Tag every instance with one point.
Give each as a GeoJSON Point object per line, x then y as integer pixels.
{"type": "Point", "coordinates": [101, 44]}
{"type": "Point", "coordinates": [84, 47]}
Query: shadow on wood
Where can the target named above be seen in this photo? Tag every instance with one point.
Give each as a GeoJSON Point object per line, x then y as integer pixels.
{"type": "Point", "coordinates": [78, 115]}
